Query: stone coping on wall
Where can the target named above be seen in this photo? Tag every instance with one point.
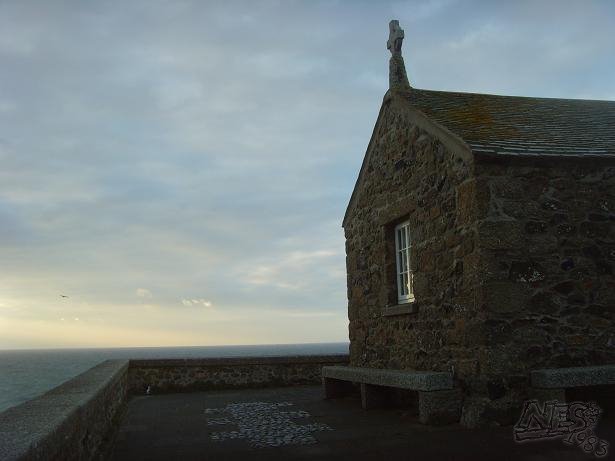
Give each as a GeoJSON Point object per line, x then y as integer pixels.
{"type": "Point", "coordinates": [62, 418]}
{"type": "Point", "coordinates": [238, 361]}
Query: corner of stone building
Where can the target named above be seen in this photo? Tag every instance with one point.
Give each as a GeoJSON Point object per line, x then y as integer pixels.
{"type": "Point", "coordinates": [542, 290]}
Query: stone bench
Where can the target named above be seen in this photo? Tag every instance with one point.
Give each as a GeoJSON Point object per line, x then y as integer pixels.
{"type": "Point", "coordinates": [551, 384]}
{"type": "Point", "coordinates": [439, 401]}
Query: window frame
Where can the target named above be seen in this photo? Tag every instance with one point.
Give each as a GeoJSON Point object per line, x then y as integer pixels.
{"type": "Point", "coordinates": [402, 249]}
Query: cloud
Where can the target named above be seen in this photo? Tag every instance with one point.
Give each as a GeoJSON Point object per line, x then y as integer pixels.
{"type": "Point", "coordinates": [208, 147]}
{"type": "Point", "coordinates": [143, 293]}
{"type": "Point", "coordinates": [293, 270]}
{"type": "Point", "coordinates": [197, 302]}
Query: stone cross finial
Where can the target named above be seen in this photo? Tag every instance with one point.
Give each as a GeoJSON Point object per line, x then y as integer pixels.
{"type": "Point", "coordinates": [396, 37]}
{"type": "Point", "coordinates": [398, 79]}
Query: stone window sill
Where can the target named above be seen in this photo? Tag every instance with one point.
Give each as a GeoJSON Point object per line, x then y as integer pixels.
{"type": "Point", "coordinates": [400, 309]}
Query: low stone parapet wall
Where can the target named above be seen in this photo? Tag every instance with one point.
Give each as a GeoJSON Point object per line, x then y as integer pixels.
{"type": "Point", "coordinates": [75, 420]}
{"type": "Point", "coordinates": [70, 422]}
{"type": "Point", "coordinates": [181, 375]}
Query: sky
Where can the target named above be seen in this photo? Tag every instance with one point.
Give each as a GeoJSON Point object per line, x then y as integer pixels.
{"type": "Point", "coordinates": [175, 173]}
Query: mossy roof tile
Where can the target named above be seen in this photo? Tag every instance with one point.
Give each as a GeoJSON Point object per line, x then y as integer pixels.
{"type": "Point", "coordinates": [517, 125]}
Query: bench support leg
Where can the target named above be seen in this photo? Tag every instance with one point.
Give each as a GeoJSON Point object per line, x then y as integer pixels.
{"type": "Point", "coordinates": [372, 396]}
{"type": "Point", "coordinates": [335, 388]}
{"type": "Point", "coordinates": [440, 407]}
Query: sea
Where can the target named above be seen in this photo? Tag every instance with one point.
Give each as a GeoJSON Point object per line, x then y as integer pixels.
{"type": "Point", "coordinates": [26, 374]}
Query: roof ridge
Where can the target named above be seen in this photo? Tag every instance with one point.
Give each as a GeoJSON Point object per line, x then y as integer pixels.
{"type": "Point", "coordinates": [469, 93]}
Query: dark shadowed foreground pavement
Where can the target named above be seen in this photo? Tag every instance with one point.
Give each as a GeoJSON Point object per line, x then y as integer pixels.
{"type": "Point", "coordinates": [296, 423]}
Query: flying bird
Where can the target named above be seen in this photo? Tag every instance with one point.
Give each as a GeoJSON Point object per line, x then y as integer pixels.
{"type": "Point", "coordinates": [63, 296]}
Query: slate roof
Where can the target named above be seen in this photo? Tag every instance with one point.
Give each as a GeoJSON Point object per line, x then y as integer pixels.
{"type": "Point", "coordinates": [516, 125]}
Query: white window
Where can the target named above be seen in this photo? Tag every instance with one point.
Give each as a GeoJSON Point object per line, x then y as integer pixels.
{"type": "Point", "coordinates": [405, 293]}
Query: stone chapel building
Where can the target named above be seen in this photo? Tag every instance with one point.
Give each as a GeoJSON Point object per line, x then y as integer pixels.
{"type": "Point", "coordinates": [480, 239]}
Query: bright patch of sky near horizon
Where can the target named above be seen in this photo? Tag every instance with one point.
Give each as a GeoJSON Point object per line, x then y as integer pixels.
{"type": "Point", "coordinates": [180, 169]}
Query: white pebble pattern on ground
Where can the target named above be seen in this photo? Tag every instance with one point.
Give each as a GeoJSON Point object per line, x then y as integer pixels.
{"type": "Point", "coordinates": [263, 424]}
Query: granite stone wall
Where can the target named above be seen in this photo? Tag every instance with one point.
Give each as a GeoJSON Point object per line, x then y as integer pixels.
{"type": "Point", "coordinates": [546, 238]}
{"type": "Point", "coordinates": [181, 375]}
{"type": "Point", "coordinates": [73, 421]}
{"type": "Point", "coordinates": [410, 174]}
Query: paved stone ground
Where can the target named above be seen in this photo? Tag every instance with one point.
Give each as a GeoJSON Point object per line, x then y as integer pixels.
{"type": "Point", "coordinates": [295, 423]}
